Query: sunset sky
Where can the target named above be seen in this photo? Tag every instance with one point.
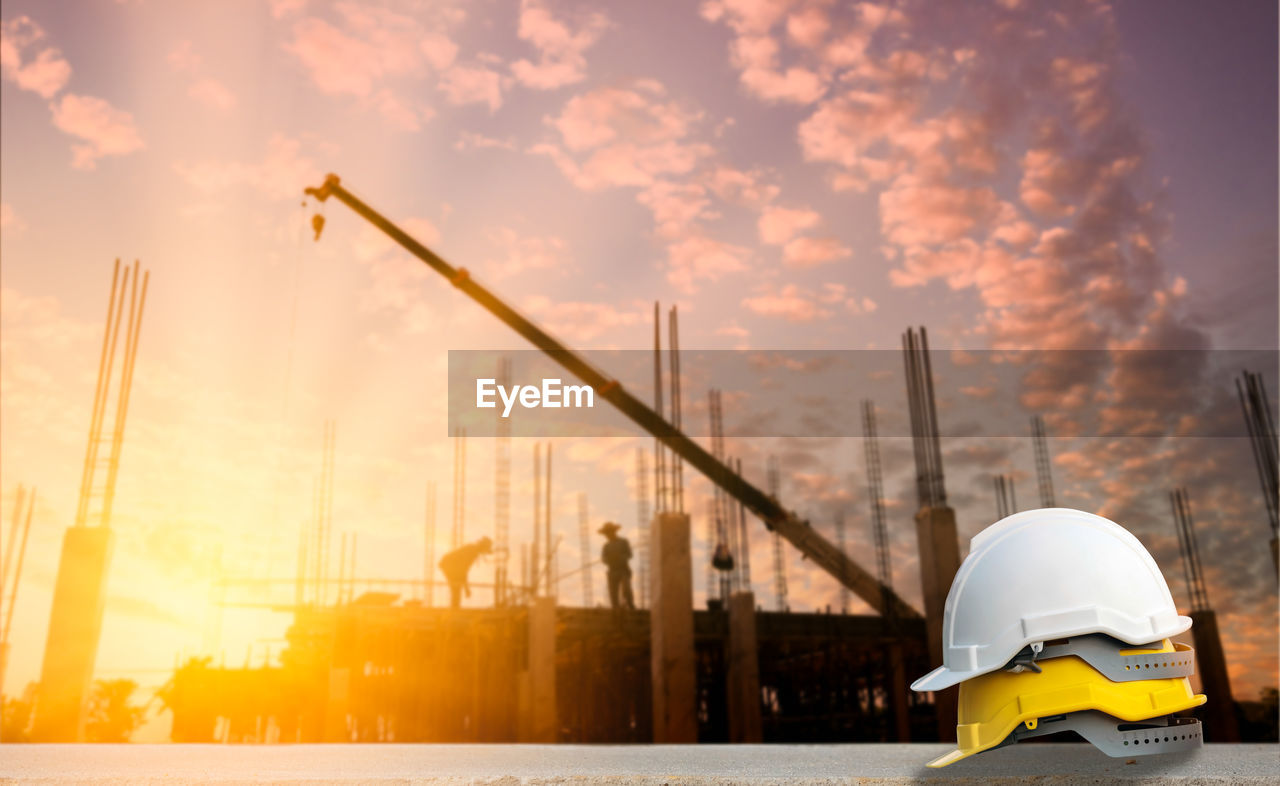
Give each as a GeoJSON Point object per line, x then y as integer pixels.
{"type": "Point", "coordinates": [800, 175]}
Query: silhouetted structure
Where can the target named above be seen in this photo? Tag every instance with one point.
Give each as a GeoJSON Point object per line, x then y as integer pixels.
{"type": "Point", "coordinates": [643, 517]}
{"type": "Point", "coordinates": [935, 520]}
{"type": "Point", "coordinates": [502, 496]}
{"type": "Point", "coordinates": [1044, 468]}
{"type": "Point", "coordinates": [774, 480]}
{"type": "Point", "coordinates": [1211, 664]}
{"type": "Point", "coordinates": [377, 671]}
{"type": "Point", "coordinates": [11, 570]}
{"type": "Point", "coordinates": [875, 493]}
{"type": "Point", "coordinates": [79, 594]}
{"type": "Point", "coordinates": [1006, 499]}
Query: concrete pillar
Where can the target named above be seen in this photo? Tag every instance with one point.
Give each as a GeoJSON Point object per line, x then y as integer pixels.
{"type": "Point", "coordinates": [899, 701]}
{"type": "Point", "coordinates": [744, 670]}
{"type": "Point", "coordinates": [939, 561]}
{"type": "Point", "coordinates": [543, 723]}
{"type": "Point", "coordinates": [1211, 666]}
{"type": "Point", "coordinates": [75, 625]}
{"type": "Point", "coordinates": [337, 704]}
{"type": "Point", "coordinates": [671, 649]}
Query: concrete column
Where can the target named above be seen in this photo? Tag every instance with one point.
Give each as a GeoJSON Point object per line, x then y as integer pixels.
{"type": "Point", "coordinates": [744, 670]}
{"type": "Point", "coordinates": [898, 698]}
{"type": "Point", "coordinates": [1211, 666]}
{"type": "Point", "coordinates": [939, 561]}
{"type": "Point", "coordinates": [337, 704]}
{"type": "Point", "coordinates": [75, 625]}
{"type": "Point", "coordinates": [672, 656]}
{"type": "Point", "coordinates": [543, 723]}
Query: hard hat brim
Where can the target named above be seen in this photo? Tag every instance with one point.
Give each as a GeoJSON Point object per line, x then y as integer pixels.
{"type": "Point", "coordinates": [939, 679]}
{"type": "Point", "coordinates": [949, 758]}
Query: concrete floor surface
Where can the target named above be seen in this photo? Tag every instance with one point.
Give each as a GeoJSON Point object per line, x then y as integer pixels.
{"type": "Point", "coordinates": [640, 764]}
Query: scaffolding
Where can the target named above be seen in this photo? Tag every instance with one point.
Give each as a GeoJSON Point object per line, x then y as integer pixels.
{"type": "Point", "coordinates": [458, 534]}
{"type": "Point", "coordinates": [429, 559]}
{"type": "Point", "coordinates": [875, 493]}
{"type": "Point", "coordinates": [1006, 500]}
{"type": "Point", "coordinates": [643, 523]}
{"type": "Point", "coordinates": [584, 544]}
{"type": "Point", "coordinates": [774, 480]}
{"type": "Point", "coordinates": [1044, 468]}
{"type": "Point", "coordinates": [502, 495]}
{"type": "Point", "coordinates": [677, 464]}
{"type": "Point", "coordinates": [11, 569]}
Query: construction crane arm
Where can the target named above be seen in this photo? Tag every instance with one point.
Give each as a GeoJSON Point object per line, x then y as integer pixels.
{"type": "Point", "coordinates": [798, 532]}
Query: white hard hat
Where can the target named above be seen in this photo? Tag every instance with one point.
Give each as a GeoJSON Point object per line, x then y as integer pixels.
{"type": "Point", "coordinates": [1048, 574]}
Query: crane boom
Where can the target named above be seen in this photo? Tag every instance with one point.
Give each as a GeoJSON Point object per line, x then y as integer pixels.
{"type": "Point", "coordinates": [797, 531]}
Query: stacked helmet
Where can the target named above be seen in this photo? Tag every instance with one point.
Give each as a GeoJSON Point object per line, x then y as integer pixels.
{"type": "Point", "coordinates": [1052, 602]}
{"type": "Point", "coordinates": [1002, 707]}
{"type": "Point", "coordinates": [1048, 574]}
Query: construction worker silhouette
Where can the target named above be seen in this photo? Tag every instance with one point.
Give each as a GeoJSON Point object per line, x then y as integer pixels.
{"type": "Point", "coordinates": [616, 556]}
{"type": "Point", "coordinates": [457, 564]}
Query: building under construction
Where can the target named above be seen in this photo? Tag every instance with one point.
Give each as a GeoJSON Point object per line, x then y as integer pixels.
{"type": "Point", "coordinates": [376, 671]}
{"type": "Point", "coordinates": [377, 665]}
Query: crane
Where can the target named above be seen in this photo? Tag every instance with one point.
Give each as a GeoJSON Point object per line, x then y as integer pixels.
{"type": "Point", "coordinates": [778, 519]}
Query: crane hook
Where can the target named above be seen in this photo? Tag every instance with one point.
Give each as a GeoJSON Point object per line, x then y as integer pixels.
{"type": "Point", "coordinates": [317, 223]}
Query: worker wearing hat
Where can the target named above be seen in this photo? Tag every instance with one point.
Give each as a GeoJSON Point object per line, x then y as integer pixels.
{"type": "Point", "coordinates": [616, 556]}
{"type": "Point", "coordinates": [456, 566]}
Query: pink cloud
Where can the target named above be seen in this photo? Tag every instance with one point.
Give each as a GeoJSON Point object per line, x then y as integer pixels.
{"type": "Point", "coordinates": [183, 57]}
{"type": "Point", "coordinates": [368, 52]}
{"type": "Point", "coordinates": [283, 8]}
{"type": "Point", "coordinates": [46, 73]}
{"type": "Point", "coordinates": [778, 225]}
{"type": "Point", "coordinates": [277, 175]}
{"type": "Point", "coordinates": [756, 57]}
{"type": "Point", "coordinates": [561, 49]}
{"type": "Point", "coordinates": [519, 253]}
{"type": "Point", "coordinates": [472, 85]}
{"type": "Point", "coordinates": [801, 305]}
{"type": "Point", "coordinates": [805, 252]}
{"type": "Point", "coordinates": [808, 26]}
{"type": "Point", "coordinates": [105, 130]}
{"type": "Point", "coordinates": [468, 140]}
{"type": "Point", "coordinates": [916, 211]}
{"type": "Point", "coordinates": [579, 321]}
{"type": "Point", "coordinates": [212, 93]}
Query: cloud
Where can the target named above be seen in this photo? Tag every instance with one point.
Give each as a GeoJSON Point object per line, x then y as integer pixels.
{"type": "Point", "coordinates": [105, 130]}
{"type": "Point", "coordinates": [756, 58]}
{"type": "Point", "coordinates": [791, 302]}
{"type": "Point", "coordinates": [277, 175]}
{"type": "Point", "coordinates": [183, 57]}
{"type": "Point", "coordinates": [44, 74]}
{"type": "Point", "coordinates": [778, 225]}
{"type": "Point", "coordinates": [370, 52]}
{"type": "Point", "coordinates": [212, 94]}
{"type": "Point", "coordinates": [581, 322]}
{"type": "Point", "coordinates": [805, 252]}
{"type": "Point", "coordinates": [472, 85]}
{"type": "Point", "coordinates": [283, 8]}
{"type": "Point", "coordinates": [699, 257]}
{"type": "Point", "coordinates": [521, 253]}
{"type": "Point", "coordinates": [560, 48]}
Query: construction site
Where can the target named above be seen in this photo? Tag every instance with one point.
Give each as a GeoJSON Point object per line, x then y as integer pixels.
{"type": "Point", "coordinates": [370, 658]}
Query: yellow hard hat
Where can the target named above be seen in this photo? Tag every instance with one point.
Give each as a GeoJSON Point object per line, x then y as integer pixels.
{"type": "Point", "coordinates": [994, 705]}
